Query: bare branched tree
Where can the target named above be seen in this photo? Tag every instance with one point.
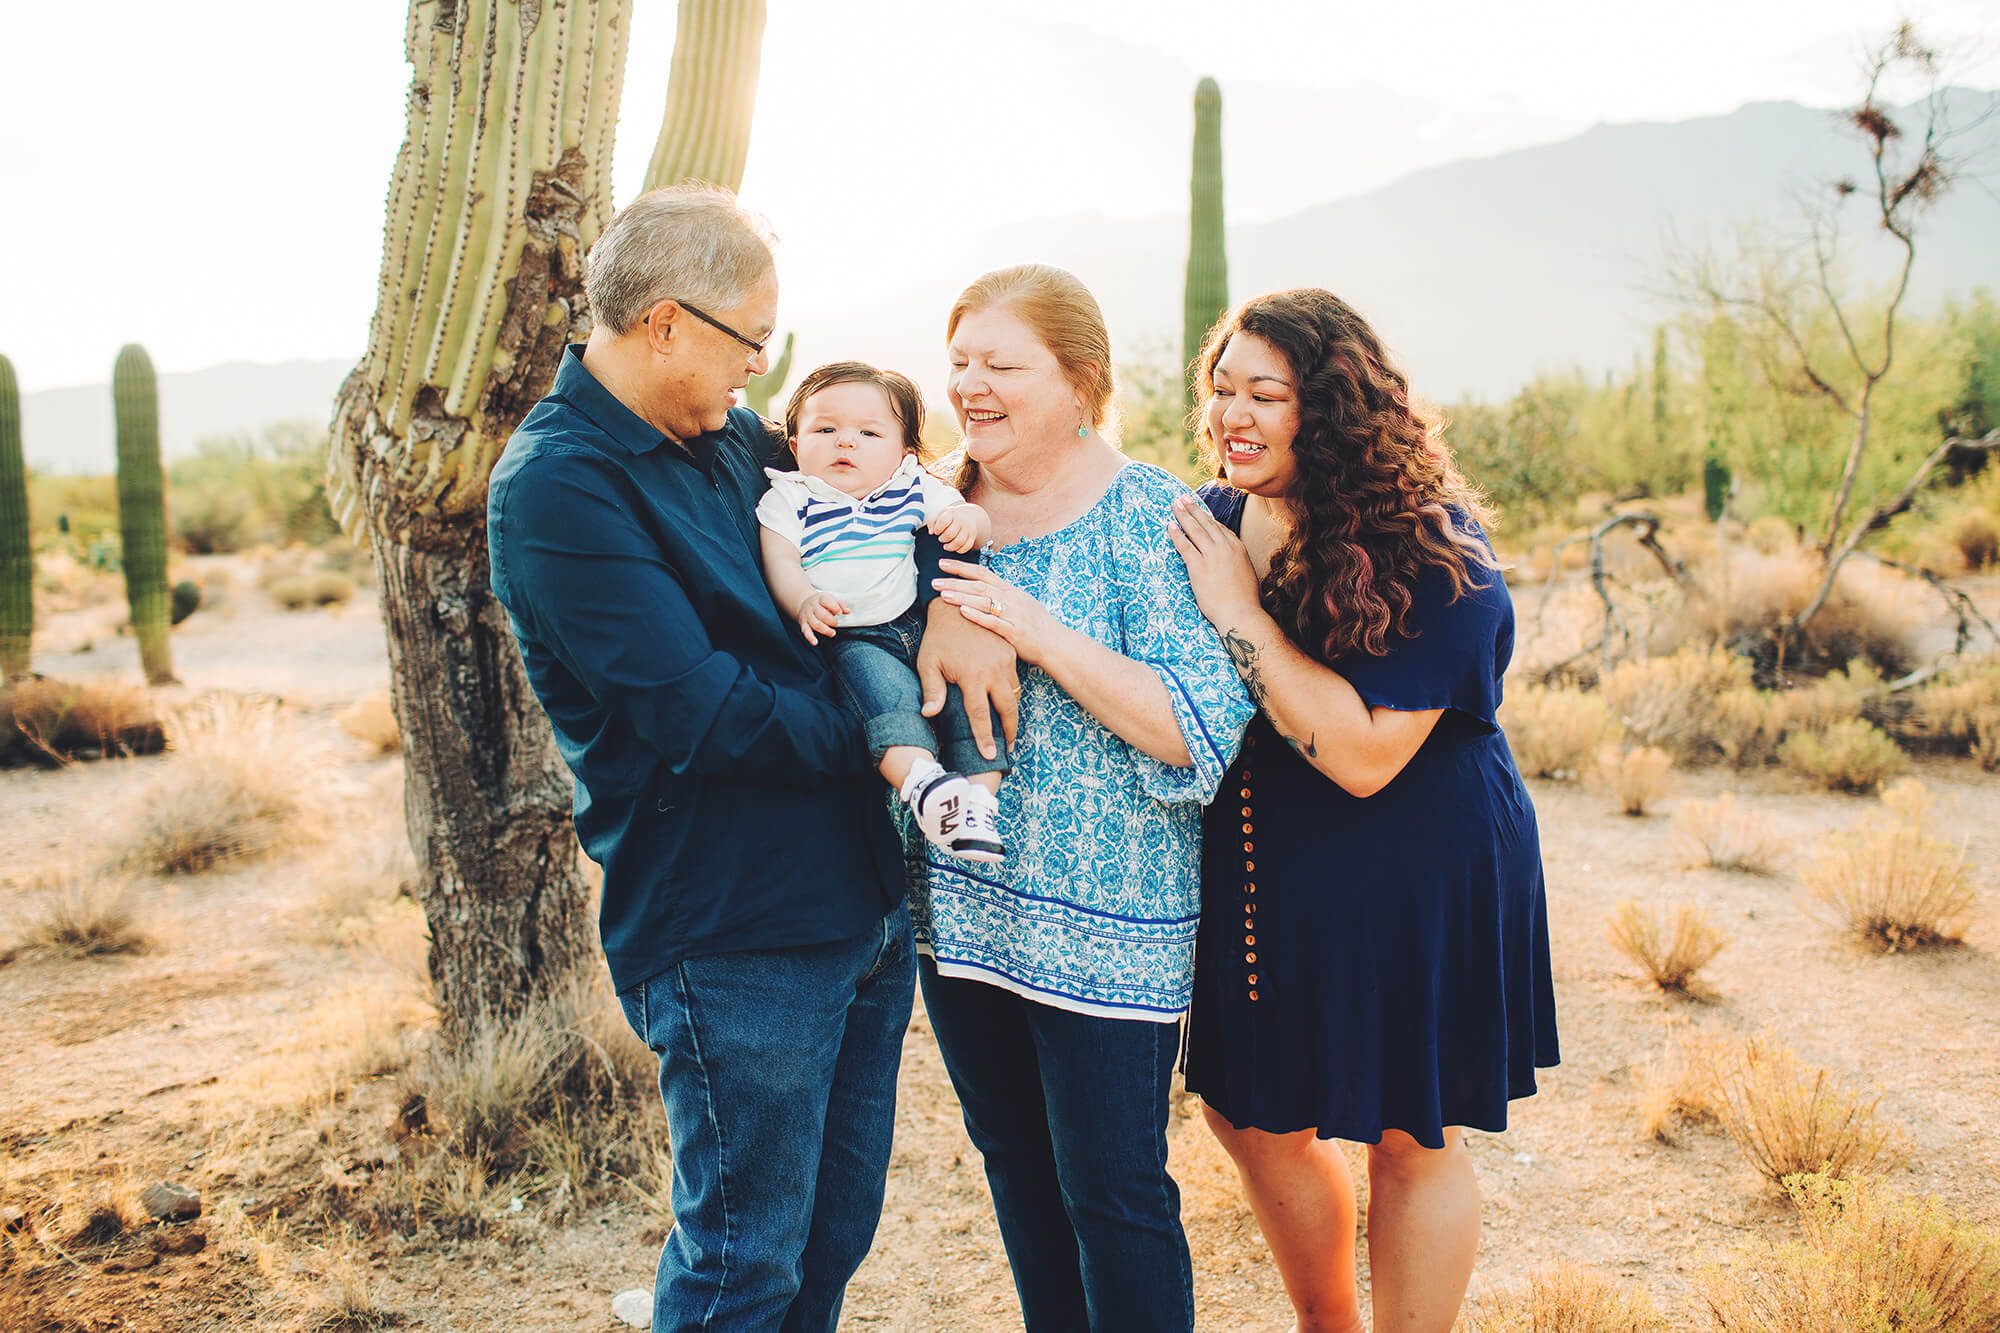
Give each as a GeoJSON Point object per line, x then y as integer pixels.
{"type": "Point", "coordinates": [1786, 296]}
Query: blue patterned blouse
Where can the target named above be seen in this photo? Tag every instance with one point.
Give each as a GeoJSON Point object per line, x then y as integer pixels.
{"type": "Point", "coordinates": [1094, 908]}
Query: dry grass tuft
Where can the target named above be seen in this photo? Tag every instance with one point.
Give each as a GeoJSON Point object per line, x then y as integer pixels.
{"type": "Point", "coordinates": [342, 1294]}
{"type": "Point", "coordinates": [1890, 883]}
{"type": "Point", "coordinates": [1566, 1299]}
{"type": "Point", "coordinates": [1669, 949]}
{"type": "Point", "coordinates": [1869, 1260]}
{"type": "Point", "coordinates": [1636, 778]}
{"type": "Point", "coordinates": [1680, 703]}
{"type": "Point", "coordinates": [1851, 756]}
{"type": "Point", "coordinates": [75, 915]}
{"type": "Point", "coordinates": [566, 1087]}
{"type": "Point", "coordinates": [48, 721]}
{"type": "Point", "coordinates": [1676, 1090]}
{"type": "Point", "coordinates": [1555, 733]}
{"type": "Point", "coordinates": [372, 721]}
{"type": "Point", "coordinates": [297, 591]}
{"type": "Point", "coordinates": [1722, 837]}
{"type": "Point", "coordinates": [1789, 1118]}
{"type": "Point", "coordinates": [236, 788]}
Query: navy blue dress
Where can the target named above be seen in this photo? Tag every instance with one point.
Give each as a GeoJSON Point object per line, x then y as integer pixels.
{"type": "Point", "coordinates": [1379, 964]}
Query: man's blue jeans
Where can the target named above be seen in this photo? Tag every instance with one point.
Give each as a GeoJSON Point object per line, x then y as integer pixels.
{"type": "Point", "coordinates": [778, 1070]}
{"type": "Point", "coordinates": [1070, 1113]}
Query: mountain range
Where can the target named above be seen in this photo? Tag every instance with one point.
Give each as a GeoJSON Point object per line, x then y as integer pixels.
{"type": "Point", "coordinates": [1480, 274]}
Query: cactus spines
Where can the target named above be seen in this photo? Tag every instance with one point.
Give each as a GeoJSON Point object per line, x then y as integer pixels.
{"type": "Point", "coordinates": [763, 388]}
{"type": "Point", "coordinates": [499, 187]}
{"type": "Point", "coordinates": [17, 558]}
{"type": "Point", "coordinates": [142, 507]}
{"type": "Point", "coordinates": [1207, 293]}
{"type": "Point", "coordinates": [711, 91]}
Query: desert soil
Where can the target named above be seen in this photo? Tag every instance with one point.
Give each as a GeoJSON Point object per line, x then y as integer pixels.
{"type": "Point", "coordinates": [194, 1060]}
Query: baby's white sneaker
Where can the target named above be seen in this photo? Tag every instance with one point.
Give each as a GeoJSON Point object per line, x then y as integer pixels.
{"type": "Point", "coordinates": [953, 813]}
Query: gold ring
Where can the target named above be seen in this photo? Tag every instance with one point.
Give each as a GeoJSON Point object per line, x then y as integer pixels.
{"type": "Point", "coordinates": [993, 604]}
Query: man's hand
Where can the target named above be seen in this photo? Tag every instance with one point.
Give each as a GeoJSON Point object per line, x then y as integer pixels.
{"type": "Point", "coordinates": [979, 662]}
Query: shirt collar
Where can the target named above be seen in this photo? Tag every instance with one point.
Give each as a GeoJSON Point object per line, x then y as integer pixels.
{"type": "Point", "coordinates": [588, 395]}
{"type": "Point", "coordinates": [822, 489]}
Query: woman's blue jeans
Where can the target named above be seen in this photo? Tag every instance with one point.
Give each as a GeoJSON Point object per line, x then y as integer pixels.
{"type": "Point", "coordinates": [778, 1070]}
{"type": "Point", "coordinates": [1070, 1113]}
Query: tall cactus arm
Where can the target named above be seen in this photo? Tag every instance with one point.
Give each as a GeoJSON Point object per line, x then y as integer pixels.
{"type": "Point", "coordinates": [711, 91]}
{"type": "Point", "coordinates": [17, 557]}
{"type": "Point", "coordinates": [1207, 291]}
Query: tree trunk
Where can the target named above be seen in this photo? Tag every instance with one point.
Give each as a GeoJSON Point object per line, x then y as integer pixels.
{"type": "Point", "coordinates": [499, 188]}
{"type": "Point", "coordinates": [486, 796]}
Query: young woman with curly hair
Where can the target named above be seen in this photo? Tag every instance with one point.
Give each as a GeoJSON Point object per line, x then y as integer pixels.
{"type": "Point", "coordinates": [1373, 958]}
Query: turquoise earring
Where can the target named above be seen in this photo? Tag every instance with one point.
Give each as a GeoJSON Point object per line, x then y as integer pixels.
{"type": "Point", "coordinates": [1082, 430]}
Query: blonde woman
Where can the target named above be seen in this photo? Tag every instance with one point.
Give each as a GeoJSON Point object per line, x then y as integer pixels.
{"type": "Point", "coordinates": [1055, 979]}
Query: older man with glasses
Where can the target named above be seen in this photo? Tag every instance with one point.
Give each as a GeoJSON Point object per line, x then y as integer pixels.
{"type": "Point", "coordinates": [753, 913]}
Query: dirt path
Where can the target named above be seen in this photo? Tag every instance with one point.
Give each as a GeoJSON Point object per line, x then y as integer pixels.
{"type": "Point", "coordinates": [197, 1060]}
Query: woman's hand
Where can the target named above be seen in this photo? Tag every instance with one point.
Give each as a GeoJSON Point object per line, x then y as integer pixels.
{"type": "Point", "coordinates": [987, 600]}
{"type": "Point", "coordinates": [1218, 565]}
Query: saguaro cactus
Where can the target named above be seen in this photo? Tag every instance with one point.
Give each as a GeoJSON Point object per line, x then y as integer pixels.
{"type": "Point", "coordinates": [711, 92]}
{"type": "Point", "coordinates": [17, 558]}
{"type": "Point", "coordinates": [142, 508]}
{"type": "Point", "coordinates": [1207, 293]}
{"type": "Point", "coordinates": [501, 184]}
{"type": "Point", "coordinates": [762, 389]}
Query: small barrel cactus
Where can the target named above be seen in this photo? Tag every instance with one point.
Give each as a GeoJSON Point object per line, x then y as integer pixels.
{"type": "Point", "coordinates": [142, 508]}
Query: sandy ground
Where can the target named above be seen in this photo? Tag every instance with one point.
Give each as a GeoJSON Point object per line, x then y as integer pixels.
{"type": "Point", "coordinates": [125, 1069]}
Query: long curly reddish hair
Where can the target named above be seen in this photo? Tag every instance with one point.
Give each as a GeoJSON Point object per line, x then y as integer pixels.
{"type": "Point", "coordinates": [1376, 485]}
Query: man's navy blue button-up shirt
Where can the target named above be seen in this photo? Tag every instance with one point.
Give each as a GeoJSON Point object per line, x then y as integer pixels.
{"type": "Point", "coordinates": [719, 782]}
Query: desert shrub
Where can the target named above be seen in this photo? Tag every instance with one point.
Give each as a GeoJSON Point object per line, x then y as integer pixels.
{"type": "Point", "coordinates": [1768, 534]}
{"type": "Point", "coordinates": [236, 491]}
{"type": "Point", "coordinates": [1722, 837]}
{"type": "Point", "coordinates": [1976, 538]}
{"type": "Point", "coordinates": [292, 591]}
{"type": "Point", "coordinates": [1837, 697]}
{"type": "Point", "coordinates": [1566, 1299]}
{"type": "Point", "coordinates": [47, 721]}
{"type": "Point", "coordinates": [1677, 703]}
{"type": "Point", "coordinates": [1869, 1260]}
{"type": "Point", "coordinates": [1890, 883]}
{"type": "Point", "coordinates": [1741, 726]}
{"type": "Point", "coordinates": [1635, 777]}
{"type": "Point", "coordinates": [1873, 613]}
{"type": "Point", "coordinates": [76, 915]}
{"type": "Point", "coordinates": [1853, 756]}
{"type": "Point", "coordinates": [235, 788]}
{"type": "Point", "coordinates": [1670, 948]}
{"type": "Point", "coordinates": [372, 721]}
{"type": "Point", "coordinates": [1789, 1118]}
{"type": "Point", "coordinates": [329, 588]}
{"type": "Point", "coordinates": [1555, 733]}
{"type": "Point", "coordinates": [1959, 711]}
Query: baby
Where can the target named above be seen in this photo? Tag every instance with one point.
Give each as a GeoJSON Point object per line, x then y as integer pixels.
{"type": "Point", "coordinates": [839, 538]}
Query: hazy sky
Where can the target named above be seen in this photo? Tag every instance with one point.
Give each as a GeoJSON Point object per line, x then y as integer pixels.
{"type": "Point", "coordinates": [209, 179]}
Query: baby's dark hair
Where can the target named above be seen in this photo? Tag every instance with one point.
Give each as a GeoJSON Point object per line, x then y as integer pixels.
{"type": "Point", "coordinates": [904, 400]}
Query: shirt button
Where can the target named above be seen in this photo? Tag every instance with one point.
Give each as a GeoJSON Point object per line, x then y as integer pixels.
{"type": "Point", "coordinates": [1253, 995]}
{"type": "Point", "coordinates": [1247, 828]}
{"type": "Point", "coordinates": [1249, 957]}
{"type": "Point", "coordinates": [1252, 978]}
{"type": "Point", "coordinates": [1249, 924]}
{"type": "Point", "coordinates": [1249, 866]}
{"type": "Point", "coordinates": [1245, 793]}
{"type": "Point", "coordinates": [1249, 939]}
{"type": "Point", "coordinates": [1246, 812]}
{"type": "Point", "coordinates": [1249, 847]}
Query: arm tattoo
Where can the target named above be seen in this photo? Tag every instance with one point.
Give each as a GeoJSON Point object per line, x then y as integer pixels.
{"type": "Point", "coordinates": [1244, 654]}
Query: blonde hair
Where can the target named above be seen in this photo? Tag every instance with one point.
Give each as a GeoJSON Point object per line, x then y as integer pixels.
{"type": "Point", "coordinates": [1063, 315]}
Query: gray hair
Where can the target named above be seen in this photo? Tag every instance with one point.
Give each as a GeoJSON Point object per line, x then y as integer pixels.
{"type": "Point", "coordinates": [690, 242]}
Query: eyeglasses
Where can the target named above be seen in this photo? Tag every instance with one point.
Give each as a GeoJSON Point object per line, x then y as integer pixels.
{"type": "Point", "coordinates": [756, 348]}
